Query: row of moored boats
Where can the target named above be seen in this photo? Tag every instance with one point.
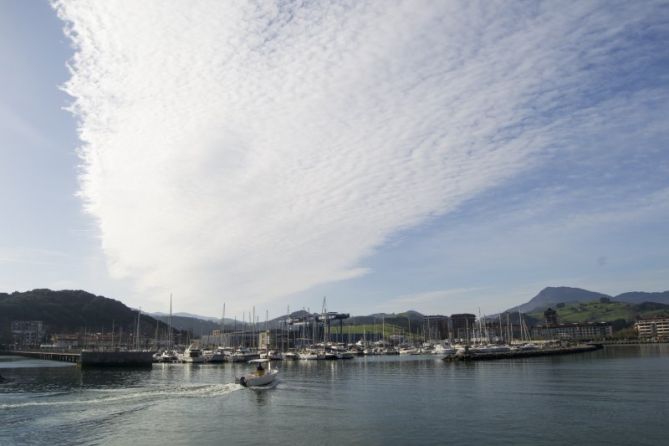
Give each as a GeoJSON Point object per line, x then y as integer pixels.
{"type": "Point", "coordinates": [325, 351]}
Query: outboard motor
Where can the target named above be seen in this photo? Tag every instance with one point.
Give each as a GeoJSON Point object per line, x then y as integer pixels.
{"type": "Point", "coordinates": [242, 381]}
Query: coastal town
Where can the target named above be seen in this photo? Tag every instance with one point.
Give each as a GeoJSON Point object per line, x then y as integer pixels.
{"type": "Point", "coordinates": [327, 335]}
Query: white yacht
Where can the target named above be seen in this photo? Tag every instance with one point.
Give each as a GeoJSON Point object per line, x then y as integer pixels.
{"type": "Point", "coordinates": [244, 355]}
{"type": "Point", "coordinates": [307, 354]}
{"type": "Point", "coordinates": [169, 356]}
{"type": "Point", "coordinates": [290, 356]}
{"type": "Point", "coordinates": [409, 351]}
{"type": "Point", "coordinates": [443, 349]}
{"type": "Point", "coordinates": [193, 355]}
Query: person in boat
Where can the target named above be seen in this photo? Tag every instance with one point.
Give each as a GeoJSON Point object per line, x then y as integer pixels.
{"type": "Point", "coordinates": [260, 371]}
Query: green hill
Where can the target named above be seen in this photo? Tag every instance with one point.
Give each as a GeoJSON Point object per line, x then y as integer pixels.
{"type": "Point", "coordinates": [71, 311]}
{"type": "Point", "coordinates": [551, 296]}
{"type": "Point", "coordinates": [604, 311]}
{"type": "Point", "coordinates": [409, 321]}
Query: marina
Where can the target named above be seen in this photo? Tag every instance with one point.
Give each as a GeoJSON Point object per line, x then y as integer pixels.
{"type": "Point", "coordinates": [343, 223]}
{"type": "Point", "coordinates": [380, 399]}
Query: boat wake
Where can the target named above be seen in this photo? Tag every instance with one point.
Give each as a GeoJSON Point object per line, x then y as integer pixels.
{"type": "Point", "coordinates": [200, 391]}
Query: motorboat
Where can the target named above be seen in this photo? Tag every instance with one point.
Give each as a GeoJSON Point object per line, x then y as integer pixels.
{"type": "Point", "coordinates": [325, 355]}
{"type": "Point", "coordinates": [219, 355]}
{"type": "Point", "coordinates": [168, 356]}
{"type": "Point", "coordinates": [307, 355]}
{"type": "Point", "coordinates": [290, 356]}
{"type": "Point", "coordinates": [275, 356]}
{"type": "Point", "coordinates": [409, 351]}
{"type": "Point", "coordinates": [263, 375]}
{"type": "Point", "coordinates": [442, 349]}
{"type": "Point", "coordinates": [193, 354]}
{"type": "Point", "coordinates": [244, 355]}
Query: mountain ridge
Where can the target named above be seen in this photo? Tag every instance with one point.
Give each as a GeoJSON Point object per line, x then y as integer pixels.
{"type": "Point", "coordinates": [551, 296]}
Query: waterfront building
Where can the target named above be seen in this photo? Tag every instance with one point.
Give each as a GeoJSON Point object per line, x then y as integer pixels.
{"type": "Point", "coordinates": [65, 340]}
{"type": "Point", "coordinates": [436, 326]}
{"type": "Point", "coordinates": [576, 332]}
{"type": "Point", "coordinates": [27, 333]}
{"type": "Point", "coordinates": [462, 325]}
{"type": "Point", "coordinates": [95, 341]}
{"type": "Point", "coordinates": [657, 327]}
{"type": "Point", "coordinates": [229, 339]}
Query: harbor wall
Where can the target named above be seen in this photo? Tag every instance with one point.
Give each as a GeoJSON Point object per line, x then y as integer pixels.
{"type": "Point", "coordinates": [116, 359]}
{"type": "Point", "coordinates": [46, 355]}
{"type": "Point", "coordinates": [91, 358]}
{"type": "Point", "coordinates": [523, 353]}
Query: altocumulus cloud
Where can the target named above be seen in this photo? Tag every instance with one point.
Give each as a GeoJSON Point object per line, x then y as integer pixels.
{"type": "Point", "coordinates": [256, 149]}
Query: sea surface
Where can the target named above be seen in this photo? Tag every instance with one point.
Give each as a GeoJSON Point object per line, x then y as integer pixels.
{"type": "Point", "coordinates": [616, 396]}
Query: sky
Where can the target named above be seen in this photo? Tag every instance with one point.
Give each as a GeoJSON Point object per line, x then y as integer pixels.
{"type": "Point", "coordinates": [435, 156]}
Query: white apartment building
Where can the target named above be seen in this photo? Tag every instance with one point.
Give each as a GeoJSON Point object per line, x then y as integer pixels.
{"type": "Point", "coordinates": [653, 328]}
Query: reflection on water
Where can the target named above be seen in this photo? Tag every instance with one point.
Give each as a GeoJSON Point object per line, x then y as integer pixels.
{"type": "Point", "coordinates": [614, 396]}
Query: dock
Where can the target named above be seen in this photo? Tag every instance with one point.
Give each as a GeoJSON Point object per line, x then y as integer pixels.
{"type": "Point", "coordinates": [513, 354]}
{"type": "Point", "coordinates": [90, 358]}
{"type": "Point", "coordinates": [46, 355]}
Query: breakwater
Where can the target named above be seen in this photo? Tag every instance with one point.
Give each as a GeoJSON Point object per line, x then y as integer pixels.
{"type": "Point", "coordinates": [116, 359]}
{"type": "Point", "coordinates": [46, 355]}
{"type": "Point", "coordinates": [522, 353]}
{"type": "Point", "coordinates": [86, 358]}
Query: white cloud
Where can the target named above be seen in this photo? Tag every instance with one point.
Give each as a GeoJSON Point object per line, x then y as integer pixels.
{"type": "Point", "coordinates": [244, 152]}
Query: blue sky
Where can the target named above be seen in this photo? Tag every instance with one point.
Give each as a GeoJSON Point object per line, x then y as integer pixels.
{"type": "Point", "coordinates": [439, 157]}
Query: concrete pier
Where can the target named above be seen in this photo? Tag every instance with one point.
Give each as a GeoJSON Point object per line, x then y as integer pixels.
{"type": "Point", "coordinates": [523, 353]}
{"type": "Point", "coordinates": [86, 358]}
{"type": "Point", "coordinates": [47, 355]}
{"type": "Point", "coordinates": [116, 359]}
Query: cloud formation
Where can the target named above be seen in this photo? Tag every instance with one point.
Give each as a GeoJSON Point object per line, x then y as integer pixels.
{"type": "Point", "coordinates": [245, 151]}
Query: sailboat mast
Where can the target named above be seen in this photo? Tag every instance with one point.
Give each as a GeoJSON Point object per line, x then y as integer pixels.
{"type": "Point", "coordinates": [324, 317]}
{"type": "Point", "coordinates": [169, 323]}
{"type": "Point", "coordinates": [156, 336]}
{"type": "Point", "coordinates": [137, 332]}
{"type": "Point", "coordinates": [267, 326]}
{"type": "Point", "coordinates": [223, 325]}
{"type": "Point", "coordinates": [409, 321]}
{"type": "Point", "coordinates": [383, 329]}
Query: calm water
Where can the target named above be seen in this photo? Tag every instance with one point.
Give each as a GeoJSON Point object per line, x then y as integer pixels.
{"type": "Point", "coordinates": [616, 396]}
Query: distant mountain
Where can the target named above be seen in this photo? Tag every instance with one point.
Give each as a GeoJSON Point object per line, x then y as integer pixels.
{"type": "Point", "coordinates": [551, 296]}
{"type": "Point", "coordinates": [195, 316]}
{"type": "Point", "coordinates": [637, 297]}
{"type": "Point", "coordinates": [200, 325]}
{"type": "Point", "coordinates": [194, 325]}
